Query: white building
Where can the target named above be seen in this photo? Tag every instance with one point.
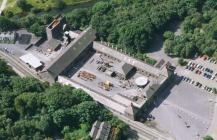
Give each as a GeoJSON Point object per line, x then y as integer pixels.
{"type": "Point", "coordinates": [32, 61]}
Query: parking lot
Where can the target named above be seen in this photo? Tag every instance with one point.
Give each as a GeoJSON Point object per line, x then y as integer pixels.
{"type": "Point", "coordinates": [202, 74]}
{"type": "Point", "coordinates": [186, 113]}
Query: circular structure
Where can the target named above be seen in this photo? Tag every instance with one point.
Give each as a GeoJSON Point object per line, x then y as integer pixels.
{"type": "Point", "coordinates": [141, 81]}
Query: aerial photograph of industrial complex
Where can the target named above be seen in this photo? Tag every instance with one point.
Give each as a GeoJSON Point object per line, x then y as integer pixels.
{"type": "Point", "coordinates": [108, 69]}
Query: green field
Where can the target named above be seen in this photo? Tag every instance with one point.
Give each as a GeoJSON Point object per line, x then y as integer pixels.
{"type": "Point", "coordinates": [72, 2]}
{"type": "Point", "coordinates": [40, 4]}
{"type": "Point", "coordinates": [11, 6]}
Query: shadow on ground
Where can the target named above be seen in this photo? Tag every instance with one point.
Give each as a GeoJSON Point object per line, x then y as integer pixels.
{"type": "Point", "coordinates": [132, 134]}
{"type": "Point", "coordinates": [162, 95]}
{"type": "Point", "coordinates": [157, 42]}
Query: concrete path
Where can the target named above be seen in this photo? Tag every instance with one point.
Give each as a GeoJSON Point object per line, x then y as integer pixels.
{"type": "Point", "coordinates": [3, 6]}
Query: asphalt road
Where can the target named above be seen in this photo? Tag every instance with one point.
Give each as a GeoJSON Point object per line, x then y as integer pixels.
{"type": "Point", "coordinates": [144, 131]}
{"type": "Point", "coordinates": [185, 106]}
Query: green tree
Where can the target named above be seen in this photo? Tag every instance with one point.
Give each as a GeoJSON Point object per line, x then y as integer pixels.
{"type": "Point", "coordinates": [79, 18]}
{"type": "Point", "coordinates": [23, 5]}
{"type": "Point", "coordinates": [27, 104]}
{"type": "Point", "coordinates": [5, 69]}
{"type": "Point", "coordinates": [101, 7]}
{"type": "Point", "coordinates": [37, 29]}
{"type": "Point", "coordinates": [168, 35]}
{"type": "Point", "coordinates": [6, 24]}
{"type": "Point", "coordinates": [60, 4]}
{"type": "Point", "coordinates": [208, 138]}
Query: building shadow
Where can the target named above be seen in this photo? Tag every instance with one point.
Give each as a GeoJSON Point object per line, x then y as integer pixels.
{"type": "Point", "coordinates": [161, 96]}
{"type": "Point", "coordinates": [132, 134]}
{"type": "Point", "coordinates": [157, 42]}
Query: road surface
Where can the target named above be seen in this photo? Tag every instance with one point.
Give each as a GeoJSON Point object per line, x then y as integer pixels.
{"type": "Point", "coordinates": [3, 6]}
{"type": "Point", "coordinates": [213, 128]}
{"type": "Point", "coordinates": [143, 131]}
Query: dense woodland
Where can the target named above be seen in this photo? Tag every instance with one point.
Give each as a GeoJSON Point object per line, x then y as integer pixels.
{"type": "Point", "coordinates": [198, 34]}
{"type": "Point", "coordinates": [30, 109]}
{"type": "Point", "coordinates": [133, 24]}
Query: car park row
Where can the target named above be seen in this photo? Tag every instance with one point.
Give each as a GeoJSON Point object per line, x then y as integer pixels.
{"type": "Point", "coordinates": [209, 59]}
{"type": "Point", "coordinates": [198, 84]}
{"type": "Point", "coordinates": [201, 70]}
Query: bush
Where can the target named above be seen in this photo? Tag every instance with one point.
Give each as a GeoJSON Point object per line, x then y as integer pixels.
{"type": "Point", "coordinates": [35, 10]}
{"type": "Point", "coordinates": [8, 14]}
{"type": "Point", "coordinates": [60, 4]}
{"type": "Point", "coordinates": [182, 62]}
{"type": "Point", "coordinates": [6, 24]}
{"type": "Point", "coordinates": [208, 138]}
{"type": "Point", "coordinates": [22, 4]}
{"type": "Point", "coordinates": [150, 61]}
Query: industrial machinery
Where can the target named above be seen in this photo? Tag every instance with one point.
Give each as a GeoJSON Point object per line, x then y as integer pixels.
{"type": "Point", "coordinates": [106, 85]}
{"type": "Point", "coordinates": [86, 75]}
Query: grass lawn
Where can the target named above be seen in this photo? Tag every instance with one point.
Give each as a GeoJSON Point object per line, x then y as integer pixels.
{"type": "Point", "coordinates": [11, 6]}
{"type": "Point", "coordinates": [40, 4]}
{"type": "Point", "coordinates": [72, 2]}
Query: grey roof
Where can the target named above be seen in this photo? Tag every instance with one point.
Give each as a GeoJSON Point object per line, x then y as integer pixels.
{"type": "Point", "coordinates": [126, 68]}
{"type": "Point", "coordinates": [123, 68]}
{"type": "Point", "coordinates": [130, 110]}
{"type": "Point", "coordinates": [31, 60]}
{"type": "Point", "coordinates": [100, 130]}
{"type": "Point", "coordinates": [103, 131]}
{"type": "Point", "coordinates": [94, 129]}
{"type": "Point", "coordinates": [152, 89]}
{"type": "Point", "coordinates": [53, 43]}
{"type": "Point", "coordinates": [74, 49]}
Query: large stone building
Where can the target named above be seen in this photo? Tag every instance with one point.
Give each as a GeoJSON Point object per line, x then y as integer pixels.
{"type": "Point", "coordinates": [70, 54]}
{"type": "Point", "coordinates": [127, 103]}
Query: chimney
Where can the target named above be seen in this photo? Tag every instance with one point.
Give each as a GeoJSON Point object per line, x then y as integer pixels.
{"type": "Point", "coordinates": [170, 69]}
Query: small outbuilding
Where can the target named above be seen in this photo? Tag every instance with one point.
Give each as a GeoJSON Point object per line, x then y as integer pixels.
{"type": "Point", "coordinates": [126, 70]}
{"type": "Point", "coordinates": [32, 61]}
{"type": "Point", "coordinates": [100, 131]}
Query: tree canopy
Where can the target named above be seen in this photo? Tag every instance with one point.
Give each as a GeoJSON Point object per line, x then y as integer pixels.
{"type": "Point", "coordinates": [198, 34]}
{"type": "Point", "coordinates": [31, 109]}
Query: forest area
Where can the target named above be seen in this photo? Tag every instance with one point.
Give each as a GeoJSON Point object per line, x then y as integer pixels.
{"type": "Point", "coordinates": [30, 109]}
{"type": "Point", "coordinates": [198, 34]}
{"type": "Point", "coordinates": [131, 25]}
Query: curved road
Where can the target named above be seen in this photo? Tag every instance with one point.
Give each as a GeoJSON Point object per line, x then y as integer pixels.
{"type": "Point", "coordinates": [3, 6]}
